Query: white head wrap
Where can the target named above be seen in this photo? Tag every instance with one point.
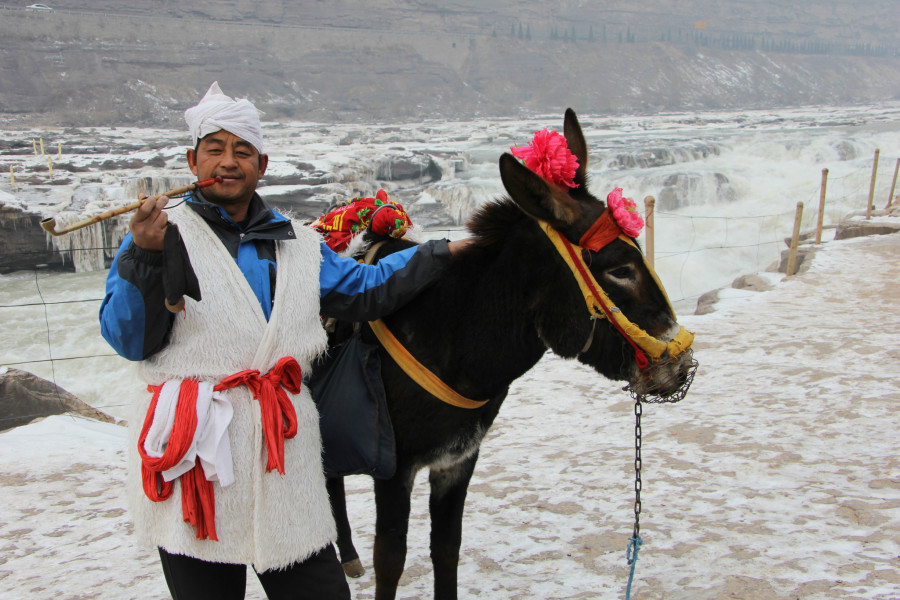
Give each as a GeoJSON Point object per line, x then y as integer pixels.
{"type": "Point", "coordinates": [216, 112]}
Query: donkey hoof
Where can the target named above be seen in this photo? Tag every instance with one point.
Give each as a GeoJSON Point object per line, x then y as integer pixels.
{"type": "Point", "coordinates": [353, 568]}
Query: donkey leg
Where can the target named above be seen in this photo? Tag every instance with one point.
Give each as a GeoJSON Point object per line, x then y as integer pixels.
{"type": "Point", "coordinates": [449, 487]}
{"type": "Point", "coordinates": [392, 504]}
{"type": "Point", "coordinates": [349, 557]}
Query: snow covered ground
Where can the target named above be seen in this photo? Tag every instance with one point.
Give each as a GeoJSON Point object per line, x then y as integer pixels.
{"type": "Point", "coordinates": [776, 478]}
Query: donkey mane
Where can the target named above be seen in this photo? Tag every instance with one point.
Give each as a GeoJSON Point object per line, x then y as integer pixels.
{"type": "Point", "coordinates": [492, 222]}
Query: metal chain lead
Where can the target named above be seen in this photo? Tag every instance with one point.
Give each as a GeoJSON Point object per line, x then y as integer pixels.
{"type": "Point", "coordinates": [638, 411]}
{"type": "Point", "coordinates": [648, 394]}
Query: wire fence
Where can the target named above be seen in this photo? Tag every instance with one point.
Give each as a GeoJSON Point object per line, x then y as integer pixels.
{"type": "Point", "coordinates": [53, 328]}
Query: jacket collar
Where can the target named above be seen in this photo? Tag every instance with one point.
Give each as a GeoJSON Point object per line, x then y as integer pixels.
{"type": "Point", "coordinates": [263, 222]}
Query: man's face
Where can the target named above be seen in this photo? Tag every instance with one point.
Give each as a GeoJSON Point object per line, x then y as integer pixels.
{"type": "Point", "coordinates": [241, 166]}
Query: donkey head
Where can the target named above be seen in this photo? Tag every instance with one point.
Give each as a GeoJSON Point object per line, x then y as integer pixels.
{"type": "Point", "coordinates": [562, 318]}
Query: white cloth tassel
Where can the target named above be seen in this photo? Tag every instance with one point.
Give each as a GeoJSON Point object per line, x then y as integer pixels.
{"type": "Point", "coordinates": [212, 442]}
{"type": "Point", "coordinates": [163, 420]}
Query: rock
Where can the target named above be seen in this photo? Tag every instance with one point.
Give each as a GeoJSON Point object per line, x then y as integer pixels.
{"type": "Point", "coordinates": [350, 138]}
{"type": "Point", "coordinates": [803, 238]}
{"type": "Point", "coordinates": [442, 204]}
{"type": "Point", "coordinates": [706, 303]}
{"type": "Point", "coordinates": [802, 264]}
{"type": "Point", "coordinates": [25, 397]}
{"type": "Point", "coordinates": [751, 282]}
{"type": "Point", "coordinates": [858, 228]}
{"type": "Point", "coordinates": [413, 165]}
{"type": "Point", "coordinates": [24, 245]}
{"type": "Point", "coordinates": [688, 189]}
{"type": "Point", "coordinates": [304, 204]}
{"type": "Point", "coordinates": [313, 177]}
{"type": "Point", "coordinates": [658, 157]}
{"type": "Point", "coordinates": [845, 150]}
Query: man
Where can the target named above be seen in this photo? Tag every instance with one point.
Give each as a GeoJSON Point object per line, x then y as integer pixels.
{"type": "Point", "coordinates": [229, 419]}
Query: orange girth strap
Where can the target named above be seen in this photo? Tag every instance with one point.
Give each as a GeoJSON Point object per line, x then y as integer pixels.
{"type": "Point", "coordinates": [427, 380]}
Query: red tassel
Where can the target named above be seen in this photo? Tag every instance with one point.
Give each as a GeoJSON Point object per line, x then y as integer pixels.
{"type": "Point", "coordinates": [198, 506]}
{"type": "Point", "coordinates": [198, 502]}
{"type": "Point", "coordinates": [641, 359]}
{"type": "Point", "coordinates": [197, 496]}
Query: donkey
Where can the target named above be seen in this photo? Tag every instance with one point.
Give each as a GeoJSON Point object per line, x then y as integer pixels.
{"type": "Point", "coordinates": [500, 304]}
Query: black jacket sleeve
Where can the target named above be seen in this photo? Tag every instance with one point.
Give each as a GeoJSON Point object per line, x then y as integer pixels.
{"type": "Point", "coordinates": [133, 316]}
{"type": "Point", "coordinates": [357, 292]}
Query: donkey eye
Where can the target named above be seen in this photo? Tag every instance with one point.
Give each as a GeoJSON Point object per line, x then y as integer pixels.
{"type": "Point", "coordinates": [624, 272]}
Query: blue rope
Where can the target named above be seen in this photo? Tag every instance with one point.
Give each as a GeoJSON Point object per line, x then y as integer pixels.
{"type": "Point", "coordinates": [634, 546]}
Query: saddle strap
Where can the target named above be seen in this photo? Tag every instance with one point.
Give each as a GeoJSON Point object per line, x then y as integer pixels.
{"type": "Point", "coordinates": [428, 381]}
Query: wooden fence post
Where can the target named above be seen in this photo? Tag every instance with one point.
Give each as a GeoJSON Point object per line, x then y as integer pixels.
{"type": "Point", "coordinates": [893, 185]}
{"type": "Point", "coordinates": [795, 241]}
{"type": "Point", "coordinates": [821, 206]}
{"type": "Point", "coordinates": [12, 177]}
{"type": "Point", "coordinates": [872, 185]}
{"type": "Point", "coordinates": [649, 206]}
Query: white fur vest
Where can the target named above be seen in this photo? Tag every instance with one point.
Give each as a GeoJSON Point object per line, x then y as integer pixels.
{"type": "Point", "coordinates": [264, 519]}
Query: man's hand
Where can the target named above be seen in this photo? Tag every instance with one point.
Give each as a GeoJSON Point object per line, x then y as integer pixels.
{"type": "Point", "coordinates": [148, 225]}
{"type": "Point", "coordinates": [459, 245]}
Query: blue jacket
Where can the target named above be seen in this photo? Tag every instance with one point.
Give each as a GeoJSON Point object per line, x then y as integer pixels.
{"type": "Point", "coordinates": [135, 322]}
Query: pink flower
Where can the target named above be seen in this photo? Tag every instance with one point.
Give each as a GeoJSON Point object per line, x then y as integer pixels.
{"type": "Point", "coordinates": [624, 211]}
{"type": "Point", "coordinates": [549, 156]}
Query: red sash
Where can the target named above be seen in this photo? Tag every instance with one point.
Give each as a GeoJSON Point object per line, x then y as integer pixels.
{"type": "Point", "coordinates": [279, 420]}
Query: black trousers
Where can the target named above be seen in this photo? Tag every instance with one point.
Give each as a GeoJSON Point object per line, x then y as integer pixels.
{"type": "Point", "coordinates": [320, 577]}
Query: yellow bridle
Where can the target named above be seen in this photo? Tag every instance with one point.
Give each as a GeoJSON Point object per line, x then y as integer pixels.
{"type": "Point", "coordinates": [600, 306]}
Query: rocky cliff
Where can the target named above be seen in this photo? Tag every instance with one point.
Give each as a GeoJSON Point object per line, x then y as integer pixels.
{"type": "Point", "coordinates": [141, 63]}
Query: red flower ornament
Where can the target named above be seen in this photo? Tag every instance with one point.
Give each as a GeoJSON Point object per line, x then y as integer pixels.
{"type": "Point", "coordinates": [549, 156]}
{"type": "Point", "coordinates": [624, 211]}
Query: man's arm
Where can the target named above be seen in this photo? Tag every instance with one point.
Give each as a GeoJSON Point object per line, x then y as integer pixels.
{"type": "Point", "coordinates": [133, 316]}
{"type": "Point", "coordinates": [359, 292]}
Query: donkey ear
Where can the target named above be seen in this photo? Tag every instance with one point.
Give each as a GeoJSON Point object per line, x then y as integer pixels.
{"type": "Point", "coordinates": [575, 140]}
{"type": "Point", "coordinates": [534, 196]}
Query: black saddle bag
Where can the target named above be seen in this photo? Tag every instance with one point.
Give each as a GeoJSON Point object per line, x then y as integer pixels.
{"type": "Point", "coordinates": [357, 435]}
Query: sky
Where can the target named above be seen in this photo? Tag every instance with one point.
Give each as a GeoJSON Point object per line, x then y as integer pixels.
{"type": "Point", "coordinates": [776, 477]}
